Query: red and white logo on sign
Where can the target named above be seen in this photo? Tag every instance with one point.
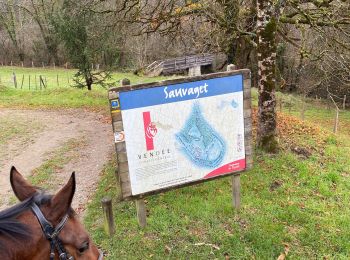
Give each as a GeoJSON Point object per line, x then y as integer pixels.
{"type": "Point", "coordinates": [150, 130]}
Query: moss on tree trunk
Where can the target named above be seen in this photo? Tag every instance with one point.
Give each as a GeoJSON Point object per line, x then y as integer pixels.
{"type": "Point", "coordinates": [267, 49]}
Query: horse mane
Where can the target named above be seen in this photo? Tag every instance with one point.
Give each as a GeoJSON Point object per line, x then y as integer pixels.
{"type": "Point", "coordinates": [10, 226]}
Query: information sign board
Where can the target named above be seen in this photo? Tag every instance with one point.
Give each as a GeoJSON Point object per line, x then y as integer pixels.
{"type": "Point", "coordinates": [175, 133]}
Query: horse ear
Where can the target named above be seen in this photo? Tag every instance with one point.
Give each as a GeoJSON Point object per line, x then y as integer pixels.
{"type": "Point", "coordinates": [22, 189]}
{"type": "Point", "coordinates": [60, 203]}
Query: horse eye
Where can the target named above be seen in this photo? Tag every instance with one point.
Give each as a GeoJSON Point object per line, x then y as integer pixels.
{"type": "Point", "coordinates": [84, 247]}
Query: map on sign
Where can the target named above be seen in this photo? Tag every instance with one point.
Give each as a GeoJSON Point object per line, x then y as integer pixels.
{"type": "Point", "coordinates": [183, 133]}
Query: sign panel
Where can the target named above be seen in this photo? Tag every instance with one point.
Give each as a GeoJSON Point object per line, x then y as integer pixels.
{"type": "Point", "coordinates": [182, 133]}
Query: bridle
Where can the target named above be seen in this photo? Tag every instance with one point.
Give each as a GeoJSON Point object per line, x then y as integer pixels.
{"type": "Point", "coordinates": [51, 233]}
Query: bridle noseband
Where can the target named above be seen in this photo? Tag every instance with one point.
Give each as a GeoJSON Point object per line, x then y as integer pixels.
{"type": "Point", "coordinates": [51, 233]}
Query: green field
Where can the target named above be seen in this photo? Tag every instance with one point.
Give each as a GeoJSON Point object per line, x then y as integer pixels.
{"type": "Point", "coordinates": [58, 93]}
{"type": "Point", "coordinates": [56, 78]}
{"type": "Point", "coordinates": [293, 203]}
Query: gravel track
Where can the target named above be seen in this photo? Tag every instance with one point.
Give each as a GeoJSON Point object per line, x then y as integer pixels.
{"type": "Point", "coordinates": [59, 126]}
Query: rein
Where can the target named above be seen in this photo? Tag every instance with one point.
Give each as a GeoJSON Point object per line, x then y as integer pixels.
{"type": "Point", "coordinates": [51, 233]}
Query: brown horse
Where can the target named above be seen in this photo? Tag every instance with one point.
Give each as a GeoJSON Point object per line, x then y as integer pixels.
{"type": "Point", "coordinates": [42, 226]}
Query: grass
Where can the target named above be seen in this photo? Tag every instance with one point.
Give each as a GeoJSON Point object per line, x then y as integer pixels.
{"type": "Point", "coordinates": [14, 127]}
{"type": "Point", "coordinates": [56, 95]}
{"type": "Point", "coordinates": [20, 129]}
{"type": "Point", "coordinates": [291, 203]}
{"type": "Point", "coordinates": [45, 175]}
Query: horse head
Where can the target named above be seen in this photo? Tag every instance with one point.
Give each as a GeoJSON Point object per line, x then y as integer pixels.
{"type": "Point", "coordinates": [44, 242]}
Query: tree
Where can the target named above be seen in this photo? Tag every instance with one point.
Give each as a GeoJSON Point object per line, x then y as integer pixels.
{"type": "Point", "coordinates": [12, 22]}
{"type": "Point", "coordinates": [268, 14]}
{"type": "Point", "coordinates": [73, 27]}
{"type": "Point", "coordinates": [42, 11]}
{"type": "Point", "coordinates": [234, 21]}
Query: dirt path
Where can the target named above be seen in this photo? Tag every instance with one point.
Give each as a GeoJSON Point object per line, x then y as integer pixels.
{"type": "Point", "coordinates": [58, 127]}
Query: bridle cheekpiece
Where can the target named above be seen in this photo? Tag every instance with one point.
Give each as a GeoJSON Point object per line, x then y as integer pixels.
{"type": "Point", "coordinates": [51, 233]}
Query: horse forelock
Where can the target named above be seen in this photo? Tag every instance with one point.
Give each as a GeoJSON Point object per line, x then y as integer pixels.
{"type": "Point", "coordinates": [12, 228]}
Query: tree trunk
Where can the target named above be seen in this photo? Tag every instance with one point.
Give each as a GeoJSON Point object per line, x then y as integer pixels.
{"type": "Point", "coordinates": [89, 81]}
{"type": "Point", "coordinates": [267, 48]}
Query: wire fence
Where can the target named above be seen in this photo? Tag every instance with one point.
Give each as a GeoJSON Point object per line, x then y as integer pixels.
{"type": "Point", "coordinates": [33, 81]}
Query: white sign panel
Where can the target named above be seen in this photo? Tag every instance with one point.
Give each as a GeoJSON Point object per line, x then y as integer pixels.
{"type": "Point", "coordinates": [183, 133]}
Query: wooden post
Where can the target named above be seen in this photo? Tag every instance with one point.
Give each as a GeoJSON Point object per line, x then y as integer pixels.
{"type": "Point", "coordinates": [14, 79]}
{"type": "Point", "coordinates": [236, 179]}
{"type": "Point", "coordinates": [40, 81]}
{"type": "Point", "coordinates": [328, 98]}
{"type": "Point", "coordinates": [336, 121]}
{"type": "Point", "coordinates": [281, 103]}
{"type": "Point", "coordinates": [140, 203]}
{"type": "Point", "coordinates": [236, 191]}
{"type": "Point", "coordinates": [22, 81]}
{"type": "Point", "coordinates": [302, 112]}
{"type": "Point", "coordinates": [344, 102]}
{"type": "Point", "coordinates": [141, 212]}
{"type": "Point", "coordinates": [109, 225]}
{"type": "Point", "coordinates": [32, 64]}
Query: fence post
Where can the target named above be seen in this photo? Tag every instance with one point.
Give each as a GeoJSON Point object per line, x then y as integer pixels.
{"type": "Point", "coordinates": [336, 121]}
{"type": "Point", "coordinates": [40, 80]}
{"type": "Point", "coordinates": [22, 81]}
{"type": "Point", "coordinates": [14, 79]}
{"type": "Point", "coordinates": [344, 102]}
{"type": "Point", "coordinates": [108, 216]}
{"type": "Point", "coordinates": [303, 108]}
